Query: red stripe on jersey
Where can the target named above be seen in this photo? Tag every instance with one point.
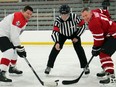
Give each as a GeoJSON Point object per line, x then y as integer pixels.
{"type": "Point", "coordinates": [5, 61]}
{"type": "Point", "coordinates": [98, 39]}
{"type": "Point", "coordinates": [81, 23]}
{"type": "Point", "coordinates": [19, 20]}
{"type": "Point", "coordinates": [13, 62]}
{"type": "Point", "coordinates": [56, 29]}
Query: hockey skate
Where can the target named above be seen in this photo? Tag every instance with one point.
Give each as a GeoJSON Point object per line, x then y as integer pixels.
{"type": "Point", "coordinates": [110, 79]}
{"type": "Point", "coordinates": [47, 70]}
{"type": "Point", "coordinates": [87, 71]}
{"type": "Point", "coordinates": [101, 74]}
{"type": "Point", "coordinates": [3, 78]}
{"type": "Point", "coordinates": [14, 71]}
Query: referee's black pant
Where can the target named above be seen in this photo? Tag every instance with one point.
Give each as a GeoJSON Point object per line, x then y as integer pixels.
{"type": "Point", "coordinates": [77, 46]}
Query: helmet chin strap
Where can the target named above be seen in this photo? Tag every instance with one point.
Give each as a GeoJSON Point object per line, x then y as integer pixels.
{"type": "Point", "coordinates": [65, 18]}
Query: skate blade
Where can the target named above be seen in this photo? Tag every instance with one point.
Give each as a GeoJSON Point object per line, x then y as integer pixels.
{"type": "Point", "coordinates": [15, 75]}
{"type": "Point", "coordinates": [102, 78]}
{"type": "Point", "coordinates": [47, 75]}
{"type": "Point", "coordinates": [85, 76]}
{"type": "Point", "coordinates": [6, 84]}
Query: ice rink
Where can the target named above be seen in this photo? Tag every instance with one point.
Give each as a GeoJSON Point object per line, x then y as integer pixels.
{"type": "Point", "coordinates": [67, 67]}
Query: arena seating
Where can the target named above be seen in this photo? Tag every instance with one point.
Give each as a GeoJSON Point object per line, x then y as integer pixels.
{"type": "Point", "coordinates": [46, 11]}
{"type": "Point", "coordinates": [8, 1]}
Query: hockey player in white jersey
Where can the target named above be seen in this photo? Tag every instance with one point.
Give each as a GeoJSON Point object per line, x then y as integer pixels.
{"type": "Point", "coordinates": [10, 29]}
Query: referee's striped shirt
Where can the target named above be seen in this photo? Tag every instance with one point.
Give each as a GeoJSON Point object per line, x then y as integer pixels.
{"type": "Point", "coordinates": [67, 28]}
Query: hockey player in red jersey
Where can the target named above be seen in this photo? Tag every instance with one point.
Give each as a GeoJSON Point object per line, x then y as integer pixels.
{"type": "Point", "coordinates": [104, 35]}
{"type": "Point", "coordinates": [10, 29]}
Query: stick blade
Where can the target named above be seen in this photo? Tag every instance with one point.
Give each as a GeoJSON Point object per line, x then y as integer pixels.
{"type": "Point", "coordinates": [67, 82]}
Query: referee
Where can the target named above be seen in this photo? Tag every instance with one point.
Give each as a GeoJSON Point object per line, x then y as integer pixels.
{"type": "Point", "coordinates": [65, 27]}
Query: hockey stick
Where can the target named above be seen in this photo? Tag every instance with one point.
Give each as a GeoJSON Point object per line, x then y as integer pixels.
{"type": "Point", "coordinates": [66, 82]}
{"type": "Point", "coordinates": [50, 84]}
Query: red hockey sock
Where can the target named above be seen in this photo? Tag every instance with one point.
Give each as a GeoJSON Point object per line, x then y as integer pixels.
{"type": "Point", "coordinates": [106, 63]}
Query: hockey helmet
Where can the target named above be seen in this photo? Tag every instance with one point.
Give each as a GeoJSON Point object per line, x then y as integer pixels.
{"type": "Point", "coordinates": [64, 9]}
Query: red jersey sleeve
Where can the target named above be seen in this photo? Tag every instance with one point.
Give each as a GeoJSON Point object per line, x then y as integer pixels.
{"type": "Point", "coordinates": [102, 11]}
{"type": "Point", "coordinates": [96, 29]}
{"type": "Point", "coordinates": [81, 23]}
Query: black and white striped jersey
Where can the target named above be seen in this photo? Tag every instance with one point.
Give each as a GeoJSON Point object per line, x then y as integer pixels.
{"type": "Point", "coordinates": [67, 28]}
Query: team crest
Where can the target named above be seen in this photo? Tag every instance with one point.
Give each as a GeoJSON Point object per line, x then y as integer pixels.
{"type": "Point", "coordinates": [18, 23]}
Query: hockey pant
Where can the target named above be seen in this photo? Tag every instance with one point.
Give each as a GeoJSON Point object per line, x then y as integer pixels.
{"type": "Point", "coordinates": [9, 54]}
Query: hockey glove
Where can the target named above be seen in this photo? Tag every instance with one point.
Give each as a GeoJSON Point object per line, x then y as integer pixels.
{"type": "Point", "coordinates": [21, 51]}
{"type": "Point", "coordinates": [96, 51]}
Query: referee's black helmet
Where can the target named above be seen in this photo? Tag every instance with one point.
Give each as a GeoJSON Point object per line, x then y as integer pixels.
{"type": "Point", "coordinates": [64, 9]}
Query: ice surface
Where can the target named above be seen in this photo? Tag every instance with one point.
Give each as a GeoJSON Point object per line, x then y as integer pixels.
{"type": "Point", "coordinates": [67, 67]}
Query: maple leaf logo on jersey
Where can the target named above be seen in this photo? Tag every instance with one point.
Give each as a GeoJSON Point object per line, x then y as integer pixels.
{"type": "Point", "coordinates": [18, 23]}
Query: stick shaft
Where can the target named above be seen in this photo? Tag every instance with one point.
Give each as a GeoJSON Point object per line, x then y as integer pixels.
{"type": "Point", "coordinates": [34, 71]}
